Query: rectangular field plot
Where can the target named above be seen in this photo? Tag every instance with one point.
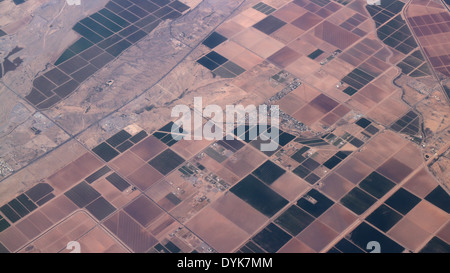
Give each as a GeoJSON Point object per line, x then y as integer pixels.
{"type": "Point", "coordinates": [100, 208]}
{"type": "Point", "coordinates": [358, 201]}
{"type": "Point", "coordinates": [106, 152]}
{"type": "Point", "coordinates": [259, 196]}
{"type": "Point", "coordinates": [271, 238]}
{"type": "Point", "coordinates": [166, 161]}
{"type": "Point", "coordinates": [82, 194]}
{"type": "Point", "coordinates": [294, 220]}
{"type": "Point", "coordinates": [364, 233]}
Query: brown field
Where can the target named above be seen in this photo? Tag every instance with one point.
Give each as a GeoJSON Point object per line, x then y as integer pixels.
{"type": "Point", "coordinates": [380, 148]}
{"type": "Point", "coordinates": [239, 212]}
{"type": "Point", "coordinates": [244, 161]}
{"type": "Point", "coordinates": [13, 239]}
{"type": "Point", "coordinates": [189, 148]}
{"type": "Point", "coordinates": [284, 57]}
{"type": "Point", "coordinates": [308, 115]}
{"type": "Point", "coordinates": [112, 194]}
{"type": "Point", "coordinates": [307, 21]}
{"type": "Point", "coordinates": [296, 246]}
{"type": "Point", "coordinates": [329, 119]}
{"type": "Point", "coordinates": [428, 217]}
{"type": "Point", "coordinates": [421, 184]}
{"type": "Point", "coordinates": [74, 172]}
{"type": "Point", "coordinates": [370, 157]}
{"type": "Point", "coordinates": [249, 37]}
{"type": "Point", "coordinates": [144, 177]}
{"type": "Point", "coordinates": [56, 239]}
{"type": "Point", "coordinates": [126, 163]}
{"type": "Point", "coordinates": [317, 235]}
{"type": "Point", "coordinates": [303, 67]}
{"type": "Point", "coordinates": [247, 60]}
{"type": "Point", "coordinates": [28, 229]}
{"type": "Point", "coordinates": [290, 186]}
{"type": "Point", "coordinates": [361, 103]}
{"type": "Point", "coordinates": [130, 232]}
{"type": "Point", "coordinates": [148, 148]}
{"type": "Point", "coordinates": [34, 224]}
{"type": "Point", "coordinates": [289, 12]}
{"type": "Point", "coordinates": [354, 61]}
{"type": "Point", "coordinates": [409, 234]}
{"type": "Point", "coordinates": [162, 226]}
{"type": "Point", "coordinates": [354, 170]}
{"type": "Point", "coordinates": [394, 170]}
{"type": "Point", "coordinates": [410, 155]}
{"type": "Point", "coordinates": [323, 103]}
{"type": "Point", "coordinates": [431, 29]}
{"type": "Point", "coordinates": [222, 234]}
{"type": "Point", "coordinates": [268, 46]}
{"type": "Point", "coordinates": [158, 191]}
{"type": "Point", "coordinates": [335, 35]}
{"type": "Point", "coordinates": [229, 49]}
{"type": "Point", "coordinates": [98, 241]}
{"type": "Point", "coordinates": [301, 46]}
{"type": "Point", "coordinates": [58, 208]}
{"type": "Point", "coordinates": [374, 93]}
{"type": "Point", "coordinates": [338, 218]}
{"type": "Point", "coordinates": [383, 114]}
{"type": "Point", "coordinates": [228, 176]}
{"type": "Point", "coordinates": [336, 186]}
{"type": "Point", "coordinates": [143, 210]}
{"type": "Point", "coordinates": [225, 221]}
{"type": "Point", "coordinates": [444, 233]}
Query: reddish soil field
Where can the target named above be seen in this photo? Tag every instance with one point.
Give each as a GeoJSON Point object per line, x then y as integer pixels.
{"type": "Point", "coordinates": [290, 186]}
{"type": "Point", "coordinates": [12, 238]}
{"type": "Point", "coordinates": [335, 35]}
{"type": "Point", "coordinates": [308, 115]}
{"type": "Point", "coordinates": [296, 246]}
{"type": "Point", "coordinates": [336, 186]}
{"type": "Point", "coordinates": [222, 234]}
{"type": "Point", "coordinates": [239, 212]}
{"type": "Point", "coordinates": [354, 170]}
{"type": "Point", "coordinates": [410, 155]}
{"type": "Point", "coordinates": [189, 148]}
{"type": "Point", "coordinates": [148, 148]}
{"type": "Point", "coordinates": [74, 172]}
{"type": "Point", "coordinates": [71, 229]}
{"type": "Point", "coordinates": [58, 208]}
{"type": "Point", "coordinates": [307, 21]}
{"type": "Point", "coordinates": [444, 233]}
{"type": "Point", "coordinates": [284, 57]}
{"type": "Point", "coordinates": [338, 218]}
{"type": "Point", "coordinates": [144, 177]}
{"type": "Point", "coordinates": [394, 170]}
{"type": "Point", "coordinates": [427, 216]}
{"type": "Point", "coordinates": [143, 210]}
{"type": "Point", "coordinates": [34, 224]}
{"type": "Point", "coordinates": [409, 234]}
{"type": "Point", "coordinates": [317, 235]}
{"type": "Point", "coordinates": [130, 232]}
{"type": "Point", "coordinates": [161, 225]}
{"type": "Point", "coordinates": [98, 241]}
{"type": "Point", "coordinates": [289, 12]}
{"type": "Point", "coordinates": [421, 184]}
{"type": "Point", "coordinates": [244, 161]}
{"type": "Point", "coordinates": [126, 163]}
